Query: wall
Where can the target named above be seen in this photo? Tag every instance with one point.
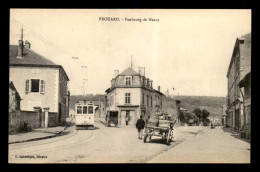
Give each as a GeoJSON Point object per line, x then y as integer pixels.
{"type": "Point", "coordinates": [245, 59]}
{"type": "Point", "coordinates": [18, 118]}
{"type": "Point", "coordinates": [62, 98]}
{"type": "Point", "coordinates": [50, 75]}
{"type": "Point", "coordinates": [120, 96]}
{"type": "Point", "coordinates": [53, 119]}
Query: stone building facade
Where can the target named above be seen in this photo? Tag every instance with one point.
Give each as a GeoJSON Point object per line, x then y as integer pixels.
{"type": "Point", "coordinates": [240, 65]}
{"type": "Point", "coordinates": [40, 82]}
{"type": "Point", "coordinates": [131, 94]}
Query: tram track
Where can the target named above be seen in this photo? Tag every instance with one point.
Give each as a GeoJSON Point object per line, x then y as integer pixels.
{"type": "Point", "coordinates": [55, 147]}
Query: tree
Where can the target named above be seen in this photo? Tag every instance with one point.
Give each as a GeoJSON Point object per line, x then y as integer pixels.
{"type": "Point", "coordinates": [205, 114]}
{"type": "Point", "coordinates": [198, 113]}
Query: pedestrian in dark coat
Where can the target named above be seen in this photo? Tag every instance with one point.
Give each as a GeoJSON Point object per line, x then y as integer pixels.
{"type": "Point", "coordinates": [140, 126]}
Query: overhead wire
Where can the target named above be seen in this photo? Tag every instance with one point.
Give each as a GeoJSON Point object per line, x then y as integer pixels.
{"type": "Point", "coordinates": [44, 40]}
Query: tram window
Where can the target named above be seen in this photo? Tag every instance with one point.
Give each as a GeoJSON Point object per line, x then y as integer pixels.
{"type": "Point", "coordinates": [90, 110]}
{"type": "Point", "coordinates": [85, 108]}
{"type": "Point", "coordinates": [79, 109]}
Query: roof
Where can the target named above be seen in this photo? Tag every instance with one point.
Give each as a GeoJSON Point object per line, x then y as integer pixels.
{"type": "Point", "coordinates": [30, 58]}
{"type": "Point", "coordinates": [11, 85]}
{"type": "Point", "coordinates": [129, 72]}
{"type": "Point", "coordinates": [158, 92]}
{"type": "Point", "coordinates": [246, 39]}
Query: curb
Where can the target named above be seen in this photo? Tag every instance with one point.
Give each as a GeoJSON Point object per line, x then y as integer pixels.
{"type": "Point", "coordinates": [41, 138]}
{"type": "Point", "coordinates": [103, 122]}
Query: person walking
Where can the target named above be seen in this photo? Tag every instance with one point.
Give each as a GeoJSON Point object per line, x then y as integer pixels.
{"type": "Point", "coordinates": [140, 126]}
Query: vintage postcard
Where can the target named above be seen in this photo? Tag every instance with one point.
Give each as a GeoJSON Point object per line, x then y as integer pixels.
{"type": "Point", "coordinates": [129, 86]}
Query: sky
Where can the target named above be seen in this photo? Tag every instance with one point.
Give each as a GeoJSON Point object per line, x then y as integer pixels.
{"type": "Point", "coordinates": [188, 50]}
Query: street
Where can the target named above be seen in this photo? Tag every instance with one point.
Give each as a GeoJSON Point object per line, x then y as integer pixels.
{"type": "Point", "coordinates": [121, 145]}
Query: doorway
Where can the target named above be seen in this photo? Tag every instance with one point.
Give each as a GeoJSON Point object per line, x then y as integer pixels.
{"type": "Point", "coordinates": [237, 120]}
{"type": "Point", "coordinates": [131, 117]}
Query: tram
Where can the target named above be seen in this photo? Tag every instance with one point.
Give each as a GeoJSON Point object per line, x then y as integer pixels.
{"type": "Point", "coordinates": [84, 115]}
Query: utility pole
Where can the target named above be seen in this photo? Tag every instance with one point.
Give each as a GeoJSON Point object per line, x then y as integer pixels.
{"type": "Point", "coordinates": [84, 82]}
{"type": "Point", "coordinates": [22, 33]}
{"type": "Point", "coordinates": [131, 65]}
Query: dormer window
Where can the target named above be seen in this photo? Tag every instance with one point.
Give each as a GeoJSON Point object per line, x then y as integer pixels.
{"type": "Point", "coordinates": [128, 80]}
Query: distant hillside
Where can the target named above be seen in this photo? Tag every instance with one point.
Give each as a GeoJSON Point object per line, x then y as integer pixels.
{"type": "Point", "coordinates": [212, 104]}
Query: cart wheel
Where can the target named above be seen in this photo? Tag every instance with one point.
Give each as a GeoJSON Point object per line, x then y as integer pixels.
{"type": "Point", "coordinates": [171, 137]}
{"type": "Point", "coordinates": [145, 137]}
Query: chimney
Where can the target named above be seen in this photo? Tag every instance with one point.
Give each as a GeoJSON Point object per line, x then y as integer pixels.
{"type": "Point", "coordinates": [142, 71]}
{"type": "Point", "coordinates": [159, 88]}
{"type": "Point", "coordinates": [27, 44]}
{"type": "Point", "coordinates": [148, 83]}
{"type": "Point", "coordinates": [116, 73]}
{"type": "Point", "coordinates": [20, 48]}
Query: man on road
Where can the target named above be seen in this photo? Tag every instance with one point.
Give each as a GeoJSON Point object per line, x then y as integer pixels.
{"type": "Point", "coordinates": [140, 126]}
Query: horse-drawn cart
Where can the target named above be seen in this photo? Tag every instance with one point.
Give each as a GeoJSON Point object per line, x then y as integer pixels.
{"type": "Point", "coordinates": [165, 131]}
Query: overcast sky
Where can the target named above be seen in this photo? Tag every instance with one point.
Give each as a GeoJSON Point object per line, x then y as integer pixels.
{"type": "Point", "coordinates": [189, 50]}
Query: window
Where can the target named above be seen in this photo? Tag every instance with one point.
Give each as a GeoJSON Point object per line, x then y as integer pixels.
{"type": "Point", "coordinates": [85, 108]}
{"type": "Point", "coordinates": [147, 100]}
{"type": "Point", "coordinates": [151, 100]}
{"type": "Point", "coordinates": [127, 98]}
{"type": "Point", "coordinates": [90, 110]}
{"type": "Point", "coordinates": [35, 85]}
{"type": "Point", "coordinates": [143, 98]}
{"type": "Point", "coordinates": [79, 109]}
{"type": "Point", "coordinates": [128, 80]}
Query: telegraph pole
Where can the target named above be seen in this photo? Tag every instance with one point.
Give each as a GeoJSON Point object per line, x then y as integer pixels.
{"type": "Point", "coordinates": [84, 82]}
{"type": "Point", "coordinates": [131, 62]}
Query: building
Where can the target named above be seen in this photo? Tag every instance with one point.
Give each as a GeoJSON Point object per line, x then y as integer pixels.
{"type": "Point", "coordinates": [131, 94]}
{"type": "Point", "coordinates": [224, 115]}
{"type": "Point", "coordinates": [245, 85]}
{"type": "Point", "coordinates": [240, 65]}
{"type": "Point", "coordinates": [40, 82]}
{"type": "Point", "coordinates": [14, 98]}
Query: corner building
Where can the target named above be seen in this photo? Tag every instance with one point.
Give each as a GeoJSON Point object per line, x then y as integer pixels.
{"type": "Point", "coordinates": [131, 94]}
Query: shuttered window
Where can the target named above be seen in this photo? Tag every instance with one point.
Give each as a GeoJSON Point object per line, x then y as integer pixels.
{"type": "Point", "coordinates": [42, 87]}
{"type": "Point", "coordinates": [34, 85]}
{"type": "Point", "coordinates": [27, 86]}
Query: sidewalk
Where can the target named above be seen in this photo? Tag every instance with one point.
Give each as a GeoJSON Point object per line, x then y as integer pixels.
{"type": "Point", "coordinates": [209, 146]}
{"type": "Point", "coordinates": [40, 133]}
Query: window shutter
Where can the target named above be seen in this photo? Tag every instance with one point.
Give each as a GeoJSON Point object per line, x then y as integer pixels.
{"type": "Point", "coordinates": [27, 86]}
{"type": "Point", "coordinates": [42, 86]}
